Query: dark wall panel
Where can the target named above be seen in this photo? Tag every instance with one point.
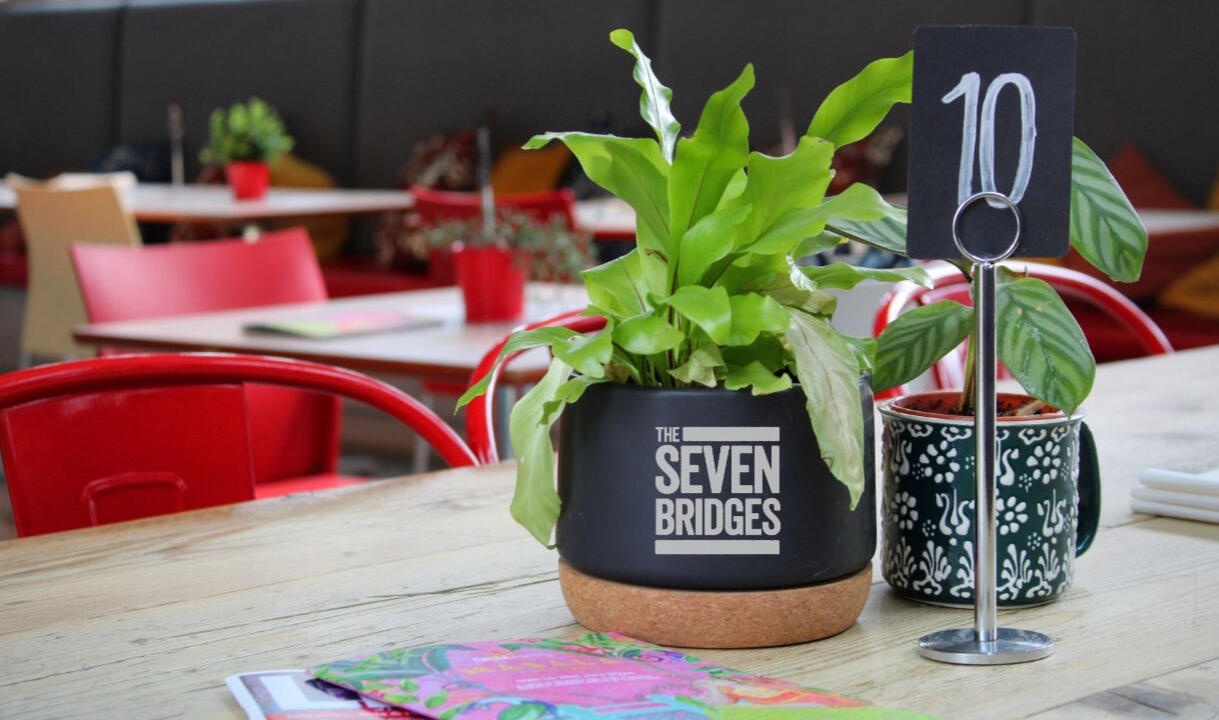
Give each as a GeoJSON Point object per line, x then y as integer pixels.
{"type": "Point", "coordinates": [1146, 73]}
{"type": "Point", "coordinates": [800, 49]}
{"type": "Point", "coordinates": [57, 67]}
{"type": "Point", "coordinates": [295, 54]}
{"type": "Point", "coordinates": [436, 65]}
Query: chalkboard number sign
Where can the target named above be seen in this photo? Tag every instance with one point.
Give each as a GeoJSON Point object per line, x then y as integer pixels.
{"type": "Point", "coordinates": [993, 112]}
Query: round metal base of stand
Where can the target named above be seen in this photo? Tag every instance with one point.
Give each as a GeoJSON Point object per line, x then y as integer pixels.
{"type": "Point", "coordinates": [961, 647]}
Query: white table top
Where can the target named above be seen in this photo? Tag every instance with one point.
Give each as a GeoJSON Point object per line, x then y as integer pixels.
{"type": "Point", "coordinates": [451, 349]}
{"type": "Point", "coordinates": [616, 216]}
{"type": "Point", "coordinates": [157, 202]}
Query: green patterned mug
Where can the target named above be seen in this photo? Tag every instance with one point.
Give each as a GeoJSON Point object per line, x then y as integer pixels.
{"type": "Point", "coordinates": [1048, 501]}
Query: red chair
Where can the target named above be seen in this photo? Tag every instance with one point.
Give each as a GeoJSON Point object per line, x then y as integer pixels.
{"type": "Point", "coordinates": [295, 435]}
{"type": "Point", "coordinates": [117, 438]}
{"type": "Point", "coordinates": [436, 206]}
{"type": "Point", "coordinates": [480, 413]}
{"type": "Point", "coordinates": [950, 284]}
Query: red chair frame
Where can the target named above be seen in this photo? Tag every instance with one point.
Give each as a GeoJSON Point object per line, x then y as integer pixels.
{"type": "Point", "coordinates": [948, 283]}
{"type": "Point", "coordinates": [480, 413]}
{"type": "Point", "coordinates": [153, 372]}
{"type": "Point", "coordinates": [436, 206]}
{"type": "Point", "coordinates": [128, 283]}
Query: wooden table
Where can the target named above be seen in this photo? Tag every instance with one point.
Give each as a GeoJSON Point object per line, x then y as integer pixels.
{"type": "Point", "coordinates": [163, 203]}
{"type": "Point", "coordinates": [451, 349]}
{"type": "Point", "coordinates": [145, 619]}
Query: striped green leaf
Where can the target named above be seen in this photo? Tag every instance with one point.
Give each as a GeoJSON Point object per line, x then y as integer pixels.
{"type": "Point", "coordinates": [887, 233]}
{"type": "Point", "coordinates": [1041, 344]}
{"type": "Point", "coordinates": [908, 346]}
{"type": "Point", "coordinates": [1105, 229]}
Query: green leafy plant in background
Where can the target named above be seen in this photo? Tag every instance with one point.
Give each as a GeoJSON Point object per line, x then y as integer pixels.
{"type": "Point", "coordinates": [712, 295]}
{"type": "Point", "coordinates": [246, 131]}
{"type": "Point", "coordinates": [552, 251]}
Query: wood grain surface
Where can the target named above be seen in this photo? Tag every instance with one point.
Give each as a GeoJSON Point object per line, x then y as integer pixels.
{"type": "Point", "coordinates": [145, 619]}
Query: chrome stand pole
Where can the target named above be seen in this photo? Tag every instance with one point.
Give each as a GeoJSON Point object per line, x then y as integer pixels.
{"type": "Point", "coordinates": [985, 643]}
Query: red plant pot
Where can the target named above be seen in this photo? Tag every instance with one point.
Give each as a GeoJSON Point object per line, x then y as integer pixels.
{"type": "Point", "coordinates": [492, 282]}
{"type": "Point", "coordinates": [248, 179]}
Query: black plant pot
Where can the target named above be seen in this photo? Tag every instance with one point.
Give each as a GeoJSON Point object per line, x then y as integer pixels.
{"type": "Point", "coordinates": [706, 489]}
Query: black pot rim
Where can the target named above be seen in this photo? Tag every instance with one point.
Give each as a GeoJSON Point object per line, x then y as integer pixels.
{"type": "Point", "coordinates": [698, 390]}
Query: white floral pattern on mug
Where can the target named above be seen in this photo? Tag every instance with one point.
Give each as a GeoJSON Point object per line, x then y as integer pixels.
{"type": "Point", "coordinates": [928, 508]}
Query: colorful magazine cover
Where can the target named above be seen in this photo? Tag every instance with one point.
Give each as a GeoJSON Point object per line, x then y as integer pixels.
{"type": "Point", "coordinates": [595, 677]}
{"type": "Point", "coordinates": [297, 695]}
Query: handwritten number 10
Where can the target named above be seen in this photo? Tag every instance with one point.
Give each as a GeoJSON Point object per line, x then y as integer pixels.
{"type": "Point", "coordinates": [985, 145]}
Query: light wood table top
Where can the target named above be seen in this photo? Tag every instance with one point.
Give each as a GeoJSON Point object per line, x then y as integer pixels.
{"type": "Point", "coordinates": [145, 619]}
{"type": "Point", "coordinates": [451, 349]}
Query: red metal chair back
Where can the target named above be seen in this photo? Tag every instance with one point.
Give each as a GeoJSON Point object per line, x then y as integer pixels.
{"type": "Point", "coordinates": [950, 284]}
{"type": "Point", "coordinates": [207, 276]}
{"type": "Point", "coordinates": [117, 438]}
{"type": "Point", "coordinates": [480, 413]}
{"type": "Point", "coordinates": [435, 206]}
{"type": "Point", "coordinates": [294, 434]}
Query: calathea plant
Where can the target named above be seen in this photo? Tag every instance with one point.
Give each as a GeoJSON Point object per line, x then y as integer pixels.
{"type": "Point", "coordinates": [712, 294]}
{"type": "Point", "coordinates": [1038, 340]}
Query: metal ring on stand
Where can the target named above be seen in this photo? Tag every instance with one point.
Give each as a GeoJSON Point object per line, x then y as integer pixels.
{"type": "Point", "coordinates": [956, 217]}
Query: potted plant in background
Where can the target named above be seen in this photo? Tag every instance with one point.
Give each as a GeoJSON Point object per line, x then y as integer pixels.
{"type": "Point", "coordinates": [245, 139]}
{"type": "Point", "coordinates": [493, 265]}
{"type": "Point", "coordinates": [718, 404]}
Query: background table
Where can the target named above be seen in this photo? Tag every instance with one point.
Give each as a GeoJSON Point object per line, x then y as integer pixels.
{"type": "Point", "coordinates": [451, 349]}
{"type": "Point", "coordinates": [145, 619]}
{"type": "Point", "coordinates": [163, 203]}
{"type": "Point", "coordinates": [613, 216]}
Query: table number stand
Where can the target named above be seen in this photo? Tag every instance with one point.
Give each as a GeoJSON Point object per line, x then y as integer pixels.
{"type": "Point", "coordinates": [985, 643]}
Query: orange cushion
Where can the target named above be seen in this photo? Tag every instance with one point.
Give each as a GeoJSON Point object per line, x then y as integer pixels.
{"type": "Point", "coordinates": [1197, 291]}
{"type": "Point", "coordinates": [519, 171]}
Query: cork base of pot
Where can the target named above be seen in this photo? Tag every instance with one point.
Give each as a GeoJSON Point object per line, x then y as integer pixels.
{"type": "Point", "coordinates": [711, 619]}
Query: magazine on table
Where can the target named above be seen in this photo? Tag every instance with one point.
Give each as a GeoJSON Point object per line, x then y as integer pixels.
{"type": "Point", "coordinates": [599, 676]}
{"type": "Point", "coordinates": [297, 695]}
{"type": "Point", "coordinates": [341, 324]}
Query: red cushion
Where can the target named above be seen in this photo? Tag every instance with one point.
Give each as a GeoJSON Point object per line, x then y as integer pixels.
{"type": "Point", "coordinates": [308, 483]}
{"type": "Point", "coordinates": [346, 280]}
{"type": "Point", "coordinates": [1143, 183]}
{"type": "Point", "coordinates": [1186, 330]}
{"type": "Point", "coordinates": [1110, 342]}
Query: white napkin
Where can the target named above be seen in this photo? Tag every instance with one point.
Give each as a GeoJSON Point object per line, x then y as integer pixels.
{"type": "Point", "coordinates": [1176, 494]}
